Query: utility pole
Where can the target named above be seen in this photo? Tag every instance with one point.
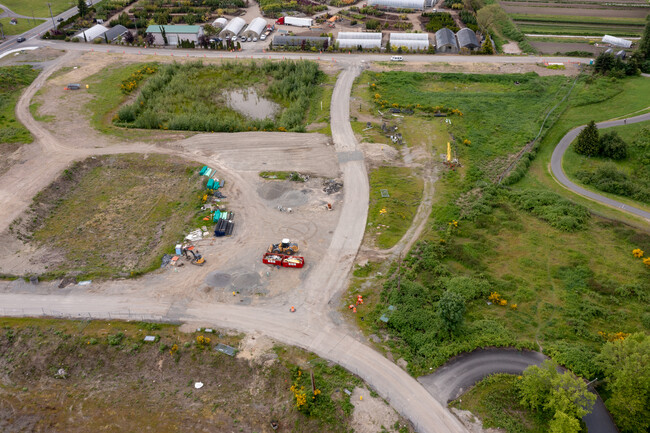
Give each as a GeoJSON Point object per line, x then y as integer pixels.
{"type": "Point", "coordinates": [2, 31]}
{"type": "Point", "coordinates": [49, 5]}
{"type": "Point", "coordinates": [135, 22]}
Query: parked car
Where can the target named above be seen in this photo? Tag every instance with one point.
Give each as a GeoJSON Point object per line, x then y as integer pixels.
{"type": "Point", "coordinates": [254, 39]}
{"type": "Point", "coordinates": [263, 37]}
{"type": "Point", "coordinates": [243, 38]}
{"type": "Point", "coordinates": [59, 19]}
{"type": "Point", "coordinates": [21, 39]}
{"type": "Point", "coordinates": [397, 59]}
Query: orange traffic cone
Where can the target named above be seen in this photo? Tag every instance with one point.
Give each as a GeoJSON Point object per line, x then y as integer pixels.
{"type": "Point", "coordinates": [354, 310]}
{"type": "Point", "coordinates": [292, 309]}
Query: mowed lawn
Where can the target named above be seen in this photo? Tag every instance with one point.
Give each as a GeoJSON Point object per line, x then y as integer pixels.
{"type": "Point", "coordinates": [23, 25]}
{"type": "Point", "coordinates": [38, 8]}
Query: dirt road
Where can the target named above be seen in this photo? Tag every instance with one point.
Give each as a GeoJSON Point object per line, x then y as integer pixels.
{"type": "Point", "coordinates": [316, 326]}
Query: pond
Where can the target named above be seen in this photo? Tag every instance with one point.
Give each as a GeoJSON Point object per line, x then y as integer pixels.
{"type": "Point", "coordinates": [250, 104]}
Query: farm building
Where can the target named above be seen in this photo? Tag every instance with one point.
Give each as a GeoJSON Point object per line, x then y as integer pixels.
{"type": "Point", "coordinates": [115, 32]}
{"type": "Point", "coordinates": [467, 39]}
{"type": "Point", "coordinates": [233, 28]}
{"type": "Point", "coordinates": [412, 41]}
{"type": "Point", "coordinates": [256, 27]}
{"type": "Point", "coordinates": [294, 41]}
{"type": "Point", "coordinates": [220, 23]}
{"type": "Point", "coordinates": [92, 33]}
{"type": "Point", "coordinates": [356, 39]}
{"type": "Point", "coordinates": [619, 42]}
{"type": "Point", "coordinates": [398, 4]}
{"type": "Point", "coordinates": [174, 34]}
{"type": "Point", "coordinates": [446, 41]}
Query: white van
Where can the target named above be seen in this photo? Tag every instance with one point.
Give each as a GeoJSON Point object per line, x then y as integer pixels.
{"type": "Point", "coordinates": [397, 59]}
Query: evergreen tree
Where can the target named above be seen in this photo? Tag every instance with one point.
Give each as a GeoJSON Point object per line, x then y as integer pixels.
{"type": "Point", "coordinates": [588, 143]}
{"type": "Point", "coordinates": [644, 43]}
{"type": "Point", "coordinates": [83, 8]}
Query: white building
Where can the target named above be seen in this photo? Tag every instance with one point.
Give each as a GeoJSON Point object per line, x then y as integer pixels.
{"type": "Point", "coordinates": [220, 23]}
{"type": "Point", "coordinates": [256, 27]}
{"type": "Point", "coordinates": [356, 39]}
{"type": "Point", "coordinates": [174, 34]}
{"type": "Point", "coordinates": [612, 40]}
{"type": "Point", "coordinates": [92, 33]}
{"type": "Point", "coordinates": [398, 4]}
{"type": "Point", "coordinates": [233, 28]}
{"type": "Point", "coordinates": [411, 41]}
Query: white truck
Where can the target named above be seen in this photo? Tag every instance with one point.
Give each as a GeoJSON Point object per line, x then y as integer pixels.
{"type": "Point", "coordinates": [295, 21]}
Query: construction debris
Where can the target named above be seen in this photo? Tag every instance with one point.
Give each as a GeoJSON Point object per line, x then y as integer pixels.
{"type": "Point", "coordinates": [331, 186]}
{"type": "Point", "coordinates": [228, 350]}
{"type": "Point", "coordinates": [166, 259]}
{"type": "Point", "coordinates": [149, 338]}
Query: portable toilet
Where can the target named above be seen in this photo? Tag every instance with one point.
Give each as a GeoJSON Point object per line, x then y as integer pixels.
{"type": "Point", "coordinates": [179, 249]}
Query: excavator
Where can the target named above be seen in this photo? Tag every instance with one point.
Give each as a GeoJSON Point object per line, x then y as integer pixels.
{"type": "Point", "coordinates": [191, 253]}
{"type": "Point", "coordinates": [285, 247]}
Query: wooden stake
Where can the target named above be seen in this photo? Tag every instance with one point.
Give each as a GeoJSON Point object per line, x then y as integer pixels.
{"type": "Point", "coordinates": [313, 386]}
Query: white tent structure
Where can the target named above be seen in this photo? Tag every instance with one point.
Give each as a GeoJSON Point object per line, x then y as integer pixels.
{"type": "Point", "coordinates": [398, 4]}
{"type": "Point", "coordinates": [354, 39]}
{"type": "Point", "coordinates": [92, 33]}
{"type": "Point", "coordinates": [256, 27]}
{"type": "Point", "coordinates": [411, 41]}
{"type": "Point", "coordinates": [220, 23]}
{"type": "Point", "coordinates": [233, 28]}
{"type": "Point", "coordinates": [612, 40]}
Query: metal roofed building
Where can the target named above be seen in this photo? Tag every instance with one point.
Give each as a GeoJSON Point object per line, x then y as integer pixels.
{"type": "Point", "coordinates": [174, 34]}
{"type": "Point", "coordinates": [115, 32]}
{"type": "Point", "coordinates": [412, 41]}
{"type": "Point", "coordinates": [256, 27]}
{"type": "Point", "coordinates": [356, 39]}
{"type": "Point", "coordinates": [446, 41]}
{"type": "Point", "coordinates": [233, 28]}
{"type": "Point", "coordinates": [220, 23]}
{"type": "Point", "coordinates": [294, 41]}
{"type": "Point", "coordinates": [467, 39]}
{"type": "Point", "coordinates": [92, 33]}
{"type": "Point", "coordinates": [398, 4]}
{"type": "Point", "coordinates": [619, 42]}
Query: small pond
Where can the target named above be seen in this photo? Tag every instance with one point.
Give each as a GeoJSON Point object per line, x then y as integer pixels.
{"type": "Point", "coordinates": [250, 104]}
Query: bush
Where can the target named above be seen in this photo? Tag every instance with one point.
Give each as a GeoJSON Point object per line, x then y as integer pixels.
{"type": "Point", "coordinates": [612, 146]}
{"type": "Point", "coordinates": [552, 208]}
{"type": "Point", "coordinates": [115, 339]}
{"type": "Point", "coordinates": [372, 24]}
{"type": "Point", "coordinates": [439, 20]}
{"type": "Point", "coordinates": [609, 178]}
{"type": "Point", "coordinates": [588, 142]}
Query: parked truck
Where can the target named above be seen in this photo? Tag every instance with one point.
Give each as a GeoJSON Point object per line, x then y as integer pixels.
{"type": "Point", "coordinates": [294, 21]}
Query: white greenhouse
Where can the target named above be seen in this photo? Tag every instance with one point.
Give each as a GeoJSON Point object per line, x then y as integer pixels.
{"type": "Point", "coordinates": [411, 41]}
{"type": "Point", "coordinates": [356, 39]}
{"type": "Point", "coordinates": [398, 4]}
{"type": "Point", "coordinates": [256, 27]}
{"type": "Point", "coordinates": [220, 23]}
{"type": "Point", "coordinates": [92, 33]}
{"type": "Point", "coordinates": [233, 28]}
{"type": "Point", "coordinates": [612, 40]}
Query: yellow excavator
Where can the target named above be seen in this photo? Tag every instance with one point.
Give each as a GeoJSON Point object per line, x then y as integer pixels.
{"type": "Point", "coordinates": [191, 253]}
{"type": "Point", "coordinates": [285, 247]}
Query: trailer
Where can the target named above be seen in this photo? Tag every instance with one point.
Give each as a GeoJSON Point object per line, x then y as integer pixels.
{"type": "Point", "coordinates": [283, 260]}
{"type": "Point", "coordinates": [272, 259]}
{"type": "Point", "coordinates": [295, 21]}
{"type": "Point", "coordinates": [293, 262]}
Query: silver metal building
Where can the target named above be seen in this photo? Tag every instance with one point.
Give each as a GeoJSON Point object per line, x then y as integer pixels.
{"type": "Point", "coordinates": [619, 42]}
{"type": "Point", "coordinates": [446, 41]}
{"type": "Point", "coordinates": [256, 27]}
{"type": "Point", "coordinates": [354, 39]}
{"type": "Point", "coordinates": [233, 28]}
{"type": "Point", "coordinates": [398, 4]}
{"type": "Point", "coordinates": [467, 39]}
{"type": "Point", "coordinates": [411, 41]}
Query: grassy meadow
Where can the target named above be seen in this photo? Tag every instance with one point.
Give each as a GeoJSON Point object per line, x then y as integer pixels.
{"type": "Point", "coordinates": [191, 96]}
{"type": "Point", "coordinates": [13, 79]}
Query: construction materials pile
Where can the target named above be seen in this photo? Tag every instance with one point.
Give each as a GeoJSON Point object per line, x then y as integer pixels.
{"type": "Point", "coordinates": [282, 254]}
{"type": "Point", "coordinates": [225, 223]}
{"type": "Point", "coordinates": [331, 186]}
{"type": "Point", "coordinates": [223, 219]}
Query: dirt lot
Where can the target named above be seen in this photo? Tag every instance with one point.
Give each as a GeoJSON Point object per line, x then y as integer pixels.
{"type": "Point", "coordinates": [559, 47]}
{"type": "Point", "coordinates": [99, 376]}
{"type": "Point", "coordinates": [39, 56]}
{"type": "Point", "coordinates": [473, 68]}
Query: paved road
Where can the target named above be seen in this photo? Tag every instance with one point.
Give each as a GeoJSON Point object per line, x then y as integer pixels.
{"type": "Point", "coordinates": [311, 327]}
{"type": "Point", "coordinates": [454, 378]}
{"type": "Point", "coordinates": [558, 171]}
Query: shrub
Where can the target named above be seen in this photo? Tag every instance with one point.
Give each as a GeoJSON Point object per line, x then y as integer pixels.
{"type": "Point", "coordinates": [115, 339]}
{"type": "Point", "coordinates": [588, 142]}
{"type": "Point", "coordinates": [439, 20]}
{"type": "Point", "coordinates": [609, 178]}
{"type": "Point", "coordinates": [552, 208]}
{"type": "Point", "coordinates": [612, 146]}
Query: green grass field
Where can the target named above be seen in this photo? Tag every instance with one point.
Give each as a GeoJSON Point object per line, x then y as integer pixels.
{"type": "Point", "coordinates": [570, 275]}
{"type": "Point", "coordinates": [13, 79]}
{"type": "Point", "coordinates": [390, 217]}
{"type": "Point", "coordinates": [495, 401]}
{"type": "Point", "coordinates": [193, 97]}
{"type": "Point", "coordinates": [552, 28]}
{"type": "Point", "coordinates": [578, 19]}
{"type": "Point", "coordinates": [20, 28]}
{"type": "Point", "coordinates": [38, 8]}
{"type": "Point", "coordinates": [115, 216]}
{"type": "Point", "coordinates": [633, 166]}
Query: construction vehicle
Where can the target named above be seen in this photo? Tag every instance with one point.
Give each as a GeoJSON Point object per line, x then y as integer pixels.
{"type": "Point", "coordinates": [285, 247]}
{"type": "Point", "coordinates": [191, 253]}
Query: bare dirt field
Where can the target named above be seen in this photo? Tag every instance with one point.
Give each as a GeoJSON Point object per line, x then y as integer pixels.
{"type": "Point", "coordinates": [474, 68]}
{"type": "Point", "coordinates": [559, 47]}
{"type": "Point", "coordinates": [42, 55]}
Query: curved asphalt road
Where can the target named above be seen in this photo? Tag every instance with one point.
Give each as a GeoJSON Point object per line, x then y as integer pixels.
{"type": "Point", "coordinates": [558, 172]}
{"type": "Point", "coordinates": [458, 375]}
